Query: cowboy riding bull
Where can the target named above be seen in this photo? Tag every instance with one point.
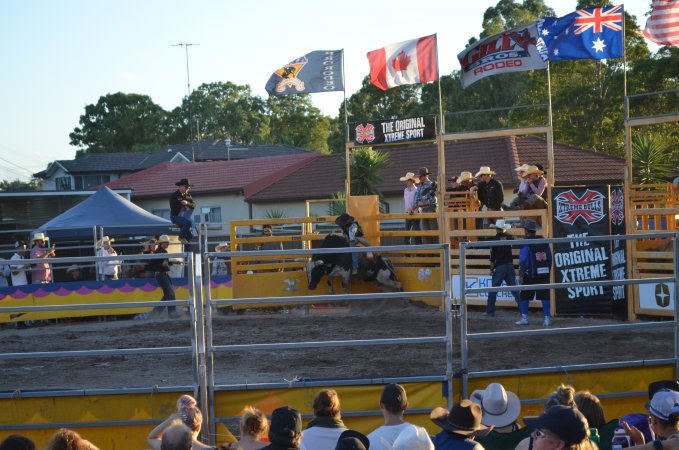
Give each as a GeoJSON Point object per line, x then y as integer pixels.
{"type": "Point", "coordinates": [372, 268]}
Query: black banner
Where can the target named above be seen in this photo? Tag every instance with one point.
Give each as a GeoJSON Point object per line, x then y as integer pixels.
{"type": "Point", "coordinates": [390, 131]}
{"type": "Point", "coordinates": [618, 251]}
{"type": "Point", "coordinates": [581, 212]}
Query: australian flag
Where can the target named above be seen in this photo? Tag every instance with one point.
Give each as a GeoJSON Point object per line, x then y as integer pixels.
{"type": "Point", "coordinates": [592, 33]}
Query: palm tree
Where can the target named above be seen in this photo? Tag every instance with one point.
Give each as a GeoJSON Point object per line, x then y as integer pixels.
{"type": "Point", "coordinates": [366, 165]}
{"type": "Point", "coordinates": [650, 160]}
{"type": "Point", "coordinates": [338, 205]}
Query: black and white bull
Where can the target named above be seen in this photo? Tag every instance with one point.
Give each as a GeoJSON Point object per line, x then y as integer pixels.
{"type": "Point", "coordinates": [371, 267]}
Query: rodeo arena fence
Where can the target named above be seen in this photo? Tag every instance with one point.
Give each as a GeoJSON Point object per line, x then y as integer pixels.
{"type": "Point", "coordinates": [203, 351]}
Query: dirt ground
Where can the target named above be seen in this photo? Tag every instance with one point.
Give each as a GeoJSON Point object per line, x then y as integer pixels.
{"type": "Point", "coordinates": [391, 321]}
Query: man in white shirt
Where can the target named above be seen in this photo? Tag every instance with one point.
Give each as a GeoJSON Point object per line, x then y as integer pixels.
{"type": "Point", "coordinates": [393, 404]}
{"type": "Point", "coordinates": [108, 269]}
{"type": "Point", "coordinates": [19, 270]}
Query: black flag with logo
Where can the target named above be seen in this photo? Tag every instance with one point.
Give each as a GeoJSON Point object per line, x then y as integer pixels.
{"type": "Point", "coordinates": [318, 71]}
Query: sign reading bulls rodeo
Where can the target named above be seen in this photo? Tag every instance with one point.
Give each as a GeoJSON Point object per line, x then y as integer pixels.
{"type": "Point", "coordinates": [581, 212]}
{"type": "Point", "coordinates": [392, 131]}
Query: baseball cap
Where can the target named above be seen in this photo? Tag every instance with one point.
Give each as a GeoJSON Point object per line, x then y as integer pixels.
{"type": "Point", "coordinates": [350, 443]}
{"type": "Point", "coordinates": [286, 425]}
{"type": "Point", "coordinates": [394, 398]}
{"type": "Point", "coordinates": [564, 421]}
{"type": "Point", "coordinates": [664, 404]}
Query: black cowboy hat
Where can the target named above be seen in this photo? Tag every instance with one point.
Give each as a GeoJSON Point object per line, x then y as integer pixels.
{"type": "Point", "coordinates": [464, 419]}
{"type": "Point", "coordinates": [183, 182]}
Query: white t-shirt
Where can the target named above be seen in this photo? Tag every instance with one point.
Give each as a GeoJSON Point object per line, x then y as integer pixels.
{"type": "Point", "coordinates": [387, 433]}
{"type": "Point", "coordinates": [320, 438]}
{"type": "Point", "coordinates": [20, 278]}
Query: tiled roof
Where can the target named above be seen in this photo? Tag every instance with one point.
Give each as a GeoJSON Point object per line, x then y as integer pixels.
{"type": "Point", "coordinates": [104, 162]}
{"type": "Point", "coordinates": [218, 151]}
{"type": "Point", "coordinates": [324, 175]}
{"type": "Point", "coordinates": [248, 175]}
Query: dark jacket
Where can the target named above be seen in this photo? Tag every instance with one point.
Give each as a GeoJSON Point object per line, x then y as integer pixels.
{"type": "Point", "coordinates": [176, 202]}
{"type": "Point", "coordinates": [502, 254]}
{"type": "Point", "coordinates": [156, 265]}
{"type": "Point", "coordinates": [491, 194]}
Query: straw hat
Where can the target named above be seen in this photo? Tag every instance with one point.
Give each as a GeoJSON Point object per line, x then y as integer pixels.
{"type": "Point", "coordinates": [465, 176]}
{"type": "Point", "coordinates": [104, 240]}
{"type": "Point", "coordinates": [163, 238]}
{"type": "Point", "coordinates": [484, 170]}
{"type": "Point", "coordinates": [222, 247]}
{"type": "Point", "coordinates": [533, 169]}
{"type": "Point", "coordinates": [38, 237]}
{"type": "Point", "coordinates": [500, 407]}
{"type": "Point", "coordinates": [410, 176]}
{"type": "Point", "coordinates": [522, 168]}
{"type": "Point", "coordinates": [501, 225]}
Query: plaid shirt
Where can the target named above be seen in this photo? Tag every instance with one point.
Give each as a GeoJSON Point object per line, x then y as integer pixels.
{"type": "Point", "coordinates": [426, 192]}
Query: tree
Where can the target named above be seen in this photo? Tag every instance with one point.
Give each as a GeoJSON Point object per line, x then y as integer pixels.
{"type": "Point", "coordinates": [293, 120]}
{"type": "Point", "coordinates": [366, 165]}
{"type": "Point", "coordinates": [17, 185]}
{"type": "Point", "coordinates": [650, 160]}
{"type": "Point", "coordinates": [119, 122]}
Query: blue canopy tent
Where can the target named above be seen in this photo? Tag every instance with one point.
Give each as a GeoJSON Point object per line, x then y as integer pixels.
{"type": "Point", "coordinates": [109, 210]}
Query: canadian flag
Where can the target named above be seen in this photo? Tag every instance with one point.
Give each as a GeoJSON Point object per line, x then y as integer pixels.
{"type": "Point", "coordinates": [407, 62]}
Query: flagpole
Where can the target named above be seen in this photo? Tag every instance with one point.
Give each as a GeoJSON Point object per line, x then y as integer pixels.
{"type": "Point", "coordinates": [440, 144]}
{"type": "Point", "coordinates": [347, 152]}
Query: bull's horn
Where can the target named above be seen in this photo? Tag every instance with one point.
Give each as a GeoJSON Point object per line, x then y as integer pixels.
{"type": "Point", "coordinates": [319, 262]}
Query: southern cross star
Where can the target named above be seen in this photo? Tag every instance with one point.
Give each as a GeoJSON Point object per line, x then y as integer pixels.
{"type": "Point", "coordinates": [598, 45]}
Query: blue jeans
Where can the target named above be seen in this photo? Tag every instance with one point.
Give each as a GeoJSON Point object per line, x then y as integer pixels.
{"type": "Point", "coordinates": [503, 272]}
{"type": "Point", "coordinates": [184, 225]}
{"type": "Point", "coordinates": [165, 284]}
{"type": "Point", "coordinates": [413, 225]}
{"type": "Point", "coordinates": [354, 257]}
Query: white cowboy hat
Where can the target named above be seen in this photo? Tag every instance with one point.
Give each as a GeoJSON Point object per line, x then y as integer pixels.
{"type": "Point", "coordinates": [532, 169]}
{"type": "Point", "coordinates": [522, 168]}
{"type": "Point", "coordinates": [163, 238]}
{"type": "Point", "coordinates": [222, 246]}
{"type": "Point", "coordinates": [104, 240]}
{"type": "Point", "coordinates": [38, 237]}
{"type": "Point", "coordinates": [409, 176]}
{"type": "Point", "coordinates": [484, 170]}
{"type": "Point", "coordinates": [413, 437]}
{"type": "Point", "coordinates": [464, 176]}
{"type": "Point", "coordinates": [501, 225]}
{"type": "Point", "coordinates": [500, 407]}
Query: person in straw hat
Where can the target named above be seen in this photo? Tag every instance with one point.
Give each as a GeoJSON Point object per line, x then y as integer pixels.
{"type": "Point", "coordinates": [409, 191]}
{"type": "Point", "coordinates": [490, 191]}
{"type": "Point", "coordinates": [463, 182]}
{"type": "Point", "coordinates": [42, 272]}
{"type": "Point", "coordinates": [425, 198]}
{"type": "Point", "coordinates": [535, 264]}
{"type": "Point", "coordinates": [107, 269]}
{"type": "Point", "coordinates": [461, 425]}
{"type": "Point", "coordinates": [221, 266]}
{"type": "Point", "coordinates": [181, 209]}
{"type": "Point", "coordinates": [531, 189]}
{"type": "Point", "coordinates": [501, 265]}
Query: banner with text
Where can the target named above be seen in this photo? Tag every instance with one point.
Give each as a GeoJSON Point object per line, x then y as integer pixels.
{"type": "Point", "coordinates": [581, 212]}
{"type": "Point", "coordinates": [618, 251]}
{"type": "Point", "coordinates": [391, 131]}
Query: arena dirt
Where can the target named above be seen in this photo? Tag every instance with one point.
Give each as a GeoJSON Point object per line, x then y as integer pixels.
{"type": "Point", "coordinates": [389, 321]}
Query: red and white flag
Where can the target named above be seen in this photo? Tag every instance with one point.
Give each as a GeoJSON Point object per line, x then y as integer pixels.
{"type": "Point", "coordinates": [407, 62]}
{"type": "Point", "coordinates": [662, 27]}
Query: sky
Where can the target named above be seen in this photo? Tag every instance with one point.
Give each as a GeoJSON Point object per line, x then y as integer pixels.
{"type": "Point", "coordinates": [59, 56]}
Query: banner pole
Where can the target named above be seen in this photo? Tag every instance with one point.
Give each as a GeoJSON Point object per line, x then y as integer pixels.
{"type": "Point", "coordinates": [550, 179]}
{"type": "Point", "coordinates": [347, 151]}
{"type": "Point", "coordinates": [440, 144]}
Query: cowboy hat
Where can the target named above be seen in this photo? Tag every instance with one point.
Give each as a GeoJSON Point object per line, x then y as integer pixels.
{"type": "Point", "coordinates": [464, 176]}
{"type": "Point", "coordinates": [522, 168]}
{"type": "Point", "coordinates": [484, 170]}
{"type": "Point", "coordinates": [501, 225]}
{"type": "Point", "coordinates": [222, 246]}
{"type": "Point", "coordinates": [409, 176]}
{"type": "Point", "coordinates": [423, 171]}
{"type": "Point", "coordinates": [413, 437]}
{"type": "Point", "coordinates": [464, 419]}
{"type": "Point", "coordinates": [183, 182]}
{"type": "Point", "coordinates": [163, 238]}
{"type": "Point", "coordinates": [104, 240]}
{"type": "Point", "coordinates": [531, 225]}
{"type": "Point", "coordinates": [500, 407]}
{"type": "Point", "coordinates": [529, 170]}
{"type": "Point", "coordinates": [38, 237]}
{"type": "Point", "coordinates": [72, 268]}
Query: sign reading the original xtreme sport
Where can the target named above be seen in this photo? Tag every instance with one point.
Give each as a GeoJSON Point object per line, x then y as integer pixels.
{"type": "Point", "coordinates": [374, 132]}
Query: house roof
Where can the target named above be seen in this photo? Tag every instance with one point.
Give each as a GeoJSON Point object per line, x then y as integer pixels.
{"type": "Point", "coordinates": [248, 176]}
{"type": "Point", "coordinates": [324, 175]}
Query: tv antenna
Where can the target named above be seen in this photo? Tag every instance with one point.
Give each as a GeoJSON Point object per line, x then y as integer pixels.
{"type": "Point", "coordinates": [188, 99]}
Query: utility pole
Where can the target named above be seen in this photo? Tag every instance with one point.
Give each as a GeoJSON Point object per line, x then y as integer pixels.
{"type": "Point", "coordinates": [188, 99]}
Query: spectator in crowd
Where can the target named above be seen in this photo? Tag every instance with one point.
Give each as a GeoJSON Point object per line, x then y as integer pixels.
{"type": "Point", "coordinates": [411, 207]}
{"type": "Point", "coordinates": [17, 442]}
{"type": "Point", "coordinates": [564, 395]}
{"type": "Point", "coordinates": [267, 231]}
{"type": "Point", "coordinates": [73, 273]}
{"type": "Point", "coordinates": [490, 191]}
{"type": "Point", "coordinates": [19, 271]}
{"type": "Point", "coordinates": [65, 439]}
{"type": "Point", "coordinates": [41, 272]}
{"type": "Point", "coordinates": [352, 440]}
{"type": "Point", "coordinates": [500, 408]}
{"type": "Point", "coordinates": [323, 432]}
{"type": "Point", "coordinates": [462, 183]}
{"type": "Point", "coordinates": [501, 265]}
{"type": "Point", "coordinates": [663, 417]}
{"type": "Point", "coordinates": [221, 266]}
{"type": "Point", "coordinates": [427, 202]}
{"type": "Point", "coordinates": [393, 404]}
{"type": "Point", "coordinates": [181, 209]}
{"type": "Point", "coordinates": [253, 427]}
{"type": "Point", "coordinates": [560, 427]}
{"type": "Point", "coordinates": [107, 269]}
{"type": "Point", "coordinates": [187, 414]}
{"type": "Point", "coordinates": [535, 264]}
{"type": "Point", "coordinates": [461, 425]}
{"type": "Point", "coordinates": [413, 438]}
{"type": "Point", "coordinates": [160, 268]}
{"type": "Point", "coordinates": [531, 189]}
{"type": "Point", "coordinates": [590, 407]}
{"type": "Point", "coordinates": [285, 431]}
{"type": "Point", "coordinates": [177, 437]}
{"type": "Point", "coordinates": [144, 268]}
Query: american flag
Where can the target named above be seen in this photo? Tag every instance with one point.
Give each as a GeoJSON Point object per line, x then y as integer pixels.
{"type": "Point", "coordinates": [662, 27]}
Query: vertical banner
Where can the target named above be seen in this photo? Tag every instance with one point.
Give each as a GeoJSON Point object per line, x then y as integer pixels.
{"type": "Point", "coordinates": [618, 251]}
{"type": "Point", "coordinates": [581, 212]}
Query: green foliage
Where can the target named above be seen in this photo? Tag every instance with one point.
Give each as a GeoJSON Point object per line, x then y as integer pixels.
{"type": "Point", "coordinates": [118, 122]}
{"type": "Point", "coordinates": [651, 162]}
{"type": "Point", "coordinates": [338, 205]}
{"type": "Point", "coordinates": [366, 166]}
{"type": "Point", "coordinates": [293, 120]}
{"type": "Point", "coordinates": [18, 186]}
{"type": "Point", "coordinates": [275, 213]}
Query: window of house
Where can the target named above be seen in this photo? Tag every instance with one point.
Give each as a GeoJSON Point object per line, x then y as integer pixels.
{"type": "Point", "coordinates": [164, 213]}
{"type": "Point", "coordinates": [214, 216]}
{"type": "Point", "coordinates": [88, 182]}
{"type": "Point", "coordinates": [62, 183]}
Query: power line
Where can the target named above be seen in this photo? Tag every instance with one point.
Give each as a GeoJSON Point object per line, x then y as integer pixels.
{"type": "Point", "coordinates": [17, 165]}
